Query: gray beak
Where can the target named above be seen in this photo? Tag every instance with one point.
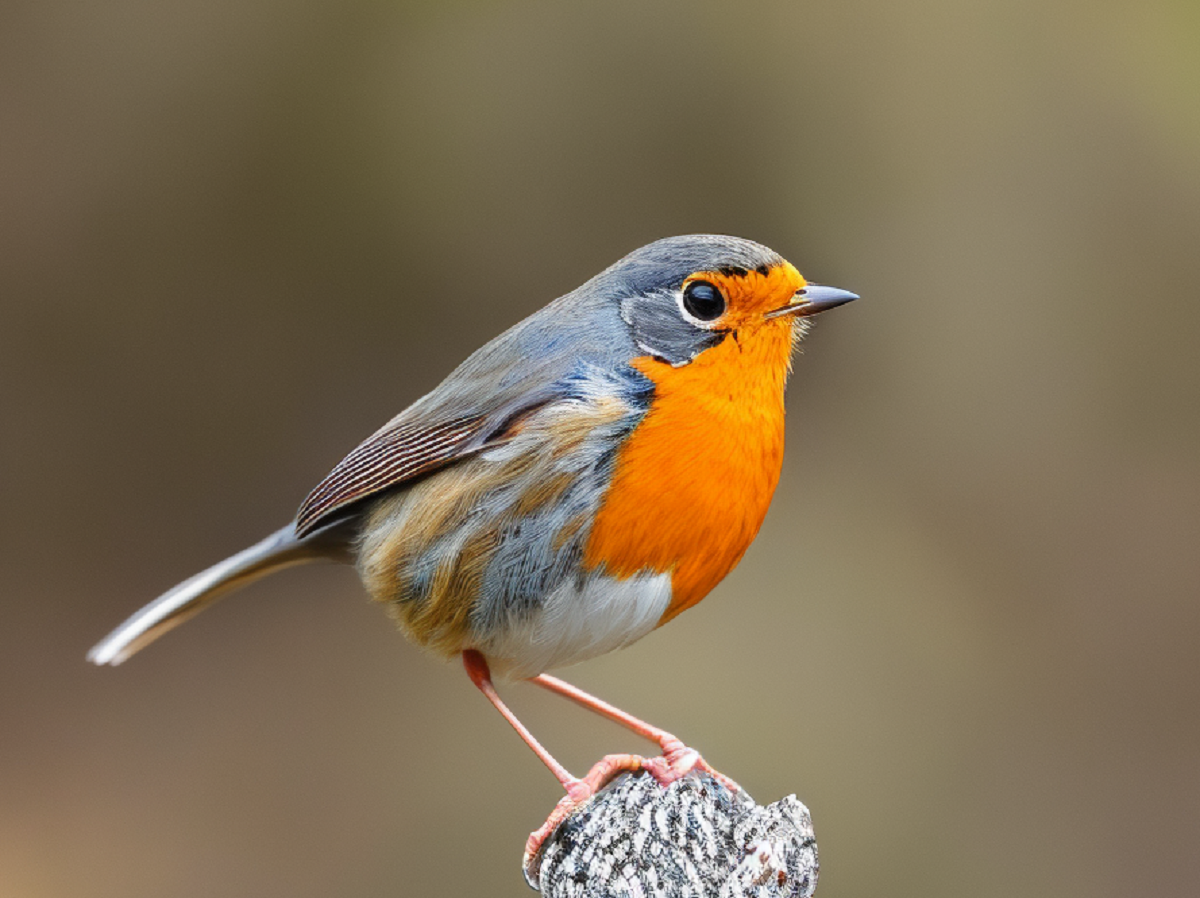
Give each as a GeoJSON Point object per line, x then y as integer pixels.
{"type": "Point", "coordinates": [813, 299]}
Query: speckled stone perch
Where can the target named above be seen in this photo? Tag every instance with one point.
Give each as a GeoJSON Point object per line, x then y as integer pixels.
{"type": "Point", "coordinates": [692, 839]}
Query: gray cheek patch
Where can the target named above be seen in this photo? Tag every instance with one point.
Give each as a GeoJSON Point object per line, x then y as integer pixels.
{"type": "Point", "coordinates": [660, 330]}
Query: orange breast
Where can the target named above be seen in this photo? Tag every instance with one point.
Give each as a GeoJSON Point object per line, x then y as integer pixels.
{"type": "Point", "coordinates": [693, 482]}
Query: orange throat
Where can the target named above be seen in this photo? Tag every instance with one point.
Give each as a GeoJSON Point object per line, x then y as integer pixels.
{"type": "Point", "coordinates": [693, 482]}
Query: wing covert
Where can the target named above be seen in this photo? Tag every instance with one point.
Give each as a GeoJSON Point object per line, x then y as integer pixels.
{"type": "Point", "coordinates": [527, 366]}
{"type": "Point", "coordinates": [398, 452]}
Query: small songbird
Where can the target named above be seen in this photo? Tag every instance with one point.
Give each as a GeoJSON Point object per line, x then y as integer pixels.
{"type": "Point", "coordinates": [577, 482]}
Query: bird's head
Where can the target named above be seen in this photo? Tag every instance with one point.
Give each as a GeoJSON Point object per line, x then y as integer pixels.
{"type": "Point", "coordinates": [684, 295]}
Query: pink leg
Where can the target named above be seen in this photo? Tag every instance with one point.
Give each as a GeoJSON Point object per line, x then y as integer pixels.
{"type": "Point", "coordinates": [578, 790]}
{"type": "Point", "coordinates": [677, 759]}
{"type": "Point", "coordinates": [481, 676]}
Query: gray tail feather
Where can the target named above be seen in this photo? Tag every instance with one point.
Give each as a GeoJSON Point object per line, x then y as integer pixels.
{"type": "Point", "coordinates": [279, 550]}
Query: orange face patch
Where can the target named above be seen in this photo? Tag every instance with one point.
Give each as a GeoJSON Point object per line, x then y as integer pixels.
{"type": "Point", "coordinates": [751, 294]}
{"type": "Point", "coordinates": [693, 482]}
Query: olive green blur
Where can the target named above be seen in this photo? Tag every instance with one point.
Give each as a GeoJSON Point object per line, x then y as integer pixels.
{"type": "Point", "coordinates": [236, 237]}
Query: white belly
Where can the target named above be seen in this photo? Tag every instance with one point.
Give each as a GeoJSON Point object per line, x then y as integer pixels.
{"type": "Point", "coordinates": [577, 622]}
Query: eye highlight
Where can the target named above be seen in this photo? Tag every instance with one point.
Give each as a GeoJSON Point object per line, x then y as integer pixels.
{"type": "Point", "coordinates": [703, 301]}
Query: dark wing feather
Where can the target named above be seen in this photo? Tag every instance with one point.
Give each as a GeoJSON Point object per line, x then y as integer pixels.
{"type": "Point", "coordinates": [398, 452]}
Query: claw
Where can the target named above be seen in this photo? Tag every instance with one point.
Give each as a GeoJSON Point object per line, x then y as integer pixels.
{"type": "Point", "coordinates": [579, 793]}
{"type": "Point", "coordinates": [676, 761]}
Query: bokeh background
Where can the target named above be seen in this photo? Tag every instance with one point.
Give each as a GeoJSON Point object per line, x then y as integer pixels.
{"type": "Point", "coordinates": [238, 236]}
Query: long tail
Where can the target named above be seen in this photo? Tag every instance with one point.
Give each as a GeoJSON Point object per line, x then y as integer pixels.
{"type": "Point", "coordinates": [279, 550]}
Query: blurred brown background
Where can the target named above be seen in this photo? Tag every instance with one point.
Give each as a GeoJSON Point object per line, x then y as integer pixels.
{"type": "Point", "coordinates": [238, 236]}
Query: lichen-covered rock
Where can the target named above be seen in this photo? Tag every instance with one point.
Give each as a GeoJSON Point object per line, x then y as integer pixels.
{"type": "Point", "coordinates": [692, 839]}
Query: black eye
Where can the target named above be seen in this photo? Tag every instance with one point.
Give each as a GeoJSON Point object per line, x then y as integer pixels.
{"type": "Point", "coordinates": [703, 301]}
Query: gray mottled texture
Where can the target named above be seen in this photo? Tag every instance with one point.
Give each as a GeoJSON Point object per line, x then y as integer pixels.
{"type": "Point", "coordinates": [691, 840]}
{"type": "Point", "coordinates": [487, 553]}
{"type": "Point", "coordinates": [531, 557]}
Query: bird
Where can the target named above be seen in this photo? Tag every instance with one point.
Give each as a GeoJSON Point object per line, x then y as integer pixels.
{"type": "Point", "coordinates": [576, 483]}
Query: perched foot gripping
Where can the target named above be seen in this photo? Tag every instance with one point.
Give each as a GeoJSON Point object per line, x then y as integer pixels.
{"type": "Point", "coordinates": [676, 760]}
